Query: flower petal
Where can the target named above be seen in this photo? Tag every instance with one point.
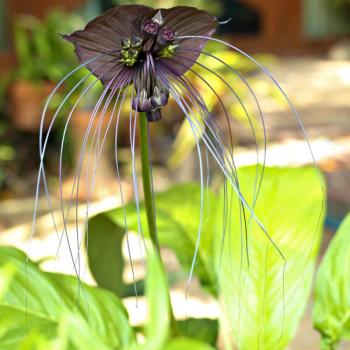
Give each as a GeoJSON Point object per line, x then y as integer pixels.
{"type": "Point", "coordinates": [104, 35]}
{"type": "Point", "coordinates": [185, 20]}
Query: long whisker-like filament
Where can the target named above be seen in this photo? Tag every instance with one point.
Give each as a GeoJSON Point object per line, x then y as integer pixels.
{"type": "Point", "coordinates": [132, 127]}
{"type": "Point", "coordinates": [303, 130]}
{"type": "Point", "coordinates": [228, 175]}
{"type": "Point", "coordinates": [97, 157]}
{"type": "Point", "coordinates": [245, 82]}
{"type": "Point", "coordinates": [62, 150]}
{"type": "Point", "coordinates": [122, 198]}
{"type": "Point", "coordinates": [77, 175]}
{"type": "Point", "coordinates": [197, 136]}
{"type": "Point", "coordinates": [42, 147]}
{"type": "Point", "coordinates": [211, 123]}
{"type": "Point", "coordinates": [99, 147]}
{"type": "Point", "coordinates": [97, 134]}
{"type": "Point", "coordinates": [184, 104]}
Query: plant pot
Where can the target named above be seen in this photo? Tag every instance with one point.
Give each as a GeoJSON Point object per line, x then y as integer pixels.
{"type": "Point", "coordinates": [26, 102]}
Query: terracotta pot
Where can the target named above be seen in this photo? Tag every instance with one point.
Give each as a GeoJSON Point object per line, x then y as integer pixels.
{"type": "Point", "coordinates": [26, 102]}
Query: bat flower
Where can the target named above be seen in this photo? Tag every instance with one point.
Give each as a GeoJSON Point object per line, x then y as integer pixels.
{"type": "Point", "coordinates": [144, 57]}
{"type": "Point", "coordinates": [136, 42]}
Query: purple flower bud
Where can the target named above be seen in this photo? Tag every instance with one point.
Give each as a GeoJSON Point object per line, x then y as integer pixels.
{"type": "Point", "coordinates": [144, 102]}
{"type": "Point", "coordinates": [150, 27]}
{"type": "Point", "coordinates": [145, 105]}
{"type": "Point", "coordinates": [167, 34]}
{"type": "Point", "coordinates": [136, 41]}
{"type": "Point", "coordinates": [156, 98]}
{"type": "Point", "coordinates": [164, 98]}
{"type": "Point", "coordinates": [154, 116]}
{"type": "Point", "coordinates": [135, 103]}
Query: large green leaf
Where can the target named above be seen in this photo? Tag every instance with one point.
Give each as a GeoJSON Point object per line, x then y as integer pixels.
{"type": "Point", "coordinates": [331, 312]}
{"type": "Point", "coordinates": [105, 254]}
{"type": "Point", "coordinates": [38, 302]}
{"type": "Point", "coordinates": [263, 300]}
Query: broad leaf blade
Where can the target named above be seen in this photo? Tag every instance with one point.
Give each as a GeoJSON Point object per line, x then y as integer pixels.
{"type": "Point", "coordinates": [331, 312]}
{"type": "Point", "coordinates": [37, 301]}
{"type": "Point", "coordinates": [104, 253]}
{"type": "Point", "coordinates": [264, 300]}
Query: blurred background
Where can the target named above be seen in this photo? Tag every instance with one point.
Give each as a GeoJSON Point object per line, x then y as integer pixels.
{"type": "Point", "coordinates": [305, 43]}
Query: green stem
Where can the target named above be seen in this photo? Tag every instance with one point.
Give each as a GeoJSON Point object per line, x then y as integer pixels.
{"type": "Point", "coordinates": [147, 181]}
{"type": "Point", "coordinates": [149, 198]}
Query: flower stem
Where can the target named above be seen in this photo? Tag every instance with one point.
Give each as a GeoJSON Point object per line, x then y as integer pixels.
{"type": "Point", "coordinates": [149, 200]}
{"type": "Point", "coordinates": [147, 181]}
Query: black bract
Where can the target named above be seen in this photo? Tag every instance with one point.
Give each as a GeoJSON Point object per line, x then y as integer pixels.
{"type": "Point", "coordinates": [129, 44]}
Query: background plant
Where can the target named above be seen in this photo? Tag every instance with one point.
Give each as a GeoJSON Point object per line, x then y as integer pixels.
{"type": "Point", "coordinates": [331, 313]}
{"type": "Point", "coordinates": [41, 53]}
{"type": "Point", "coordinates": [214, 6]}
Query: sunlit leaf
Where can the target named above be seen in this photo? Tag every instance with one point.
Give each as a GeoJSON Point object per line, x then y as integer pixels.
{"type": "Point", "coordinates": [331, 312]}
{"type": "Point", "coordinates": [36, 301]}
{"type": "Point", "coordinates": [187, 344]}
{"type": "Point", "coordinates": [262, 302]}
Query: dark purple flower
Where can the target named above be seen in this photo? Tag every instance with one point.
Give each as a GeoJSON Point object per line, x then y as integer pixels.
{"type": "Point", "coordinates": [136, 42]}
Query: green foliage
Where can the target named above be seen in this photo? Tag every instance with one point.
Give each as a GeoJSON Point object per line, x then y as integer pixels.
{"type": "Point", "coordinates": [46, 311]}
{"type": "Point", "coordinates": [331, 313]}
{"type": "Point", "coordinates": [262, 306]}
{"type": "Point", "coordinates": [7, 152]}
{"type": "Point", "coordinates": [213, 6]}
{"type": "Point", "coordinates": [187, 344]}
{"type": "Point", "coordinates": [41, 52]}
{"type": "Point", "coordinates": [56, 309]}
{"type": "Point", "coordinates": [203, 329]}
{"type": "Point", "coordinates": [105, 256]}
{"type": "Point", "coordinates": [262, 302]}
{"type": "Point", "coordinates": [44, 56]}
{"type": "Point", "coordinates": [342, 4]}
